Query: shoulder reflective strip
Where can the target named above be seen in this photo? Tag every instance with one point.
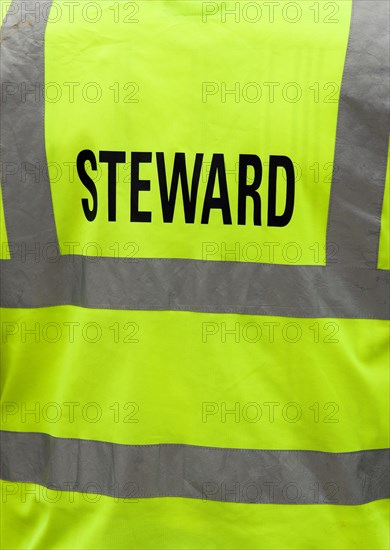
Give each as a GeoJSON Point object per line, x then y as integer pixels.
{"type": "Point", "coordinates": [362, 136]}
{"type": "Point", "coordinates": [209, 473]}
{"type": "Point", "coordinates": [192, 285]}
{"type": "Point", "coordinates": [24, 172]}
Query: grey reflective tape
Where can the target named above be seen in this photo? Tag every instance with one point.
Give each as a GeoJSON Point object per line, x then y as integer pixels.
{"type": "Point", "coordinates": [24, 174]}
{"type": "Point", "coordinates": [362, 137]}
{"type": "Point", "coordinates": [195, 285]}
{"type": "Point", "coordinates": [208, 473]}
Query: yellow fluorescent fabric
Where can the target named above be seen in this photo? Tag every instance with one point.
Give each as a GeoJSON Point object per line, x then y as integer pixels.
{"type": "Point", "coordinates": [240, 381]}
{"type": "Point", "coordinates": [4, 5]}
{"type": "Point", "coordinates": [75, 520]}
{"type": "Point", "coordinates": [190, 82]}
{"type": "Point", "coordinates": [384, 241]}
{"type": "Point", "coordinates": [4, 250]}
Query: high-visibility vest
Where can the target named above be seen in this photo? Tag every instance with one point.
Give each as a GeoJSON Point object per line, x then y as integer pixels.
{"type": "Point", "coordinates": [195, 235]}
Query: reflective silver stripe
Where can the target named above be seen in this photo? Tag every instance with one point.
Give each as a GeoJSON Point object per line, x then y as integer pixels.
{"type": "Point", "coordinates": [209, 473]}
{"type": "Point", "coordinates": [192, 285]}
{"type": "Point", "coordinates": [362, 137]}
{"type": "Point", "coordinates": [24, 176]}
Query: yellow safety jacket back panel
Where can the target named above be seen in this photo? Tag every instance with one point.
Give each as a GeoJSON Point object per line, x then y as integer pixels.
{"type": "Point", "coordinates": [194, 231]}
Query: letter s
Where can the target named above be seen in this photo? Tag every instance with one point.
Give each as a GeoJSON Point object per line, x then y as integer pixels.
{"type": "Point", "coordinates": [87, 181]}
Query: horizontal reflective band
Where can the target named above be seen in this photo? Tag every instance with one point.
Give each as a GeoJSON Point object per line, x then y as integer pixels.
{"type": "Point", "coordinates": [209, 473]}
{"type": "Point", "coordinates": [196, 285]}
{"type": "Point", "coordinates": [362, 136]}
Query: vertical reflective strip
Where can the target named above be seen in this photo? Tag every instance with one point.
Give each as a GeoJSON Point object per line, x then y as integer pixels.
{"type": "Point", "coordinates": [25, 179]}
{"type": "Point", "coordinates": [4, 252]}
{"type": "Point", "coordinates": [361, 142]}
